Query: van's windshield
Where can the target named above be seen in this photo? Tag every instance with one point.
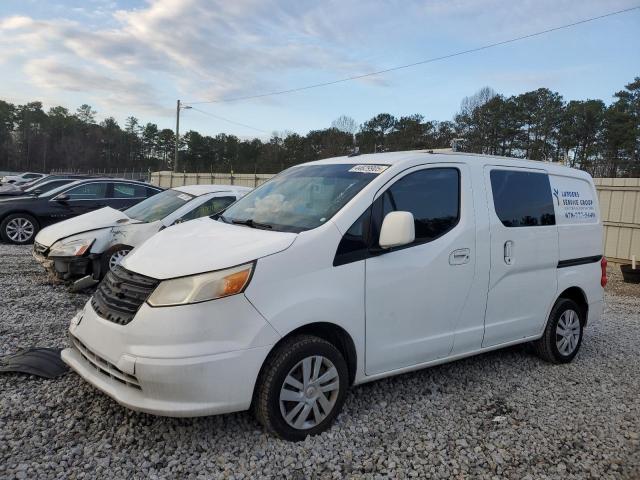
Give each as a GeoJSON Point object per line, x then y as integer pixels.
{"type": "Point", "coordinates": [301, 198]}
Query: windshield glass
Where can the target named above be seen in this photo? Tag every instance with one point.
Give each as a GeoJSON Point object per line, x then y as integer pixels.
{"type": "Point", "coordinates": [159, 206]}
{"type": "Point", "coordinates": [59, 189]}
{"type": "Point", "coordinates": [302, 198]}
{"type": "Point", "coordinates": [45, 186]}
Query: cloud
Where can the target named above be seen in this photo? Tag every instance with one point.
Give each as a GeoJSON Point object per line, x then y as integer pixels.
{"type": "Point", "coordinates": [196, 48]}
{"type": "Point", "coordinates": [204, 49]}
{"type": "Point", "coordinates": [50, 74]}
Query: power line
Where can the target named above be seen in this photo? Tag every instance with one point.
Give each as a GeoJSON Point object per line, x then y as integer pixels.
{"type": "Point", "coordinates": [229, 121]}
{"type": "Point", "coordinates": [414, 64]}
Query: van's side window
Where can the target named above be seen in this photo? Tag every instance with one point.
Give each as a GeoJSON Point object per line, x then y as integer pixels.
{"type": "Point", "coordinates": [432, 196]}
{"type": "Point", "coordinates": [522, 199]}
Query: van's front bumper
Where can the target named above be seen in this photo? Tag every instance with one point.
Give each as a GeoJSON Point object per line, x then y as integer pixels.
{"type": "Point", "coordinates": [193, 363]}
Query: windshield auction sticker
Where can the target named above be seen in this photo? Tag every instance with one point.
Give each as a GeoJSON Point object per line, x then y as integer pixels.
{"type": "Point", "coordinates": [375, 169]}
{"type": "Point", "coordinates": [573, 200]}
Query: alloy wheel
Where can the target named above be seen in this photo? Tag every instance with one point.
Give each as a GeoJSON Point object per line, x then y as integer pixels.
{"type": "Point", "coordinates": [20, 229]}
{"type": "Point", "coordinates": [309, 392]}
{"type": "Point", "coordinates": [568, 332]}
{"type": "Point", "coordinates": [116, 257]}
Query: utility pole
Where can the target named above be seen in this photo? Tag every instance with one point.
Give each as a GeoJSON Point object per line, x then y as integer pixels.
{"type": "Point", "coordinates": [179, 107]}
{"type": "Point", "coordinates": [175, 160]}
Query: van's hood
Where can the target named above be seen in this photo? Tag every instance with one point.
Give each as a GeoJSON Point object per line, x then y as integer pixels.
{"type": "Point", "coordinates": [203, 245]}
{"type": "Point", "coordinates": [103, 218]}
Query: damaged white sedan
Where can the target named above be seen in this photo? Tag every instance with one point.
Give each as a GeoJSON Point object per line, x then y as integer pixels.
{"type": "Point", "coordinates": [88, 246]}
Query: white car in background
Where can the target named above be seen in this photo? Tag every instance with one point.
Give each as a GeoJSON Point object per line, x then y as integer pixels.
{"type": "Point", "coordinates": [22, 178]}
{"type": "Point", "coordinates": [91, 244]}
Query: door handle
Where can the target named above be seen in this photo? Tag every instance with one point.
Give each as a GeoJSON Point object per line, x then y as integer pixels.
{"type": "Point", "coordinates": [460, 256]}
{"type": "Point", "coordinates": [508, 252]}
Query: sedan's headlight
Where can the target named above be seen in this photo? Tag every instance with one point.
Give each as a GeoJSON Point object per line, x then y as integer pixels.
{"type": "Point", "coordinates": [72, 248]}
{"type": "Point", "coordinates": [202, 287]}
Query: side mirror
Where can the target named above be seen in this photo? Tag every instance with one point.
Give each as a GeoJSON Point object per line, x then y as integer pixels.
{"type": "Point", "coordinates": [62, 198]}
{"type": "Point", "coordinates": [398, 229]}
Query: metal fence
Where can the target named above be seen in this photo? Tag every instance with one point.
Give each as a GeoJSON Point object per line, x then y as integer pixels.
{"type": "Point", "coordinates": [619, 205]}
{"type": "Point", "coordinates": [142, 175]}
{"type": "Point", "coordinates": [171, 179]}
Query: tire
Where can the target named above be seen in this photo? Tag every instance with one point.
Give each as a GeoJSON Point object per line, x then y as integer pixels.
{"type": "Point", "coordinates": [554, 347]}
{"type": "Point", "coordinates": [19, 228]}
{"type": "Point", "coordinates": [286, 362]}
{"type": "Point", "coordinates": [110, 256]}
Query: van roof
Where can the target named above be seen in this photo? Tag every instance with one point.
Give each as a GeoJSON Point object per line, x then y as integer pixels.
{"type": "Point", "coordinates": [418, 157]}
{"type": "Point", "coordinates": [198, 190]}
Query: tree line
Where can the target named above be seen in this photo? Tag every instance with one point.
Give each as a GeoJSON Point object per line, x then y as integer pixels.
{"type": "Point", "coordinates": [589, 134]}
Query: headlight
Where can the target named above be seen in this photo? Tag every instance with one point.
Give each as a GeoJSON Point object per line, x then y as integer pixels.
{"type": "Point", "coordinates": [202, 287]}
{"type": "Point", "coordinates": [72, 248]}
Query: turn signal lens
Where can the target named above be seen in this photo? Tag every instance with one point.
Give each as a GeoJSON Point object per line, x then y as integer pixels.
{"type": "Point", "coordinates": [81, 251]}
{"type": "Point", "coordinates": [235, 282]}
{"type": "Point", "coordinates": [202, 287]}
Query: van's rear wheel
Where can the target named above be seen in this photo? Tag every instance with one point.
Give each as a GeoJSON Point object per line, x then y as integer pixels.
{"type": "Point", "coordinates": [301, 388]}
{"type": "Point", "coordinates": [563, 334]}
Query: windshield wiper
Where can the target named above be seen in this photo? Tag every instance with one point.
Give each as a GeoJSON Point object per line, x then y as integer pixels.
{"type": "Point", "coordinates": [252, 224]}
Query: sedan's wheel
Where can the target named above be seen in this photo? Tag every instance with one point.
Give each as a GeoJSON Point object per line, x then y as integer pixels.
{"type": "Point", "coordinates": [301, 388]}
{"type": "Point", "coordinates": [19, 229]}
{"type": "Point", "coordinates": [112, 258]}
{"type": "Point", "coordinates": [116, 257]}
{"type": "Point", "coordinates": [563, 334]}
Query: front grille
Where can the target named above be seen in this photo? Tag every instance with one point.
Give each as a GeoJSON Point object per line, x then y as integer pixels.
{"type": "Point", "coordinates": [40, 249]}
{"type": "Point", "coordinates": [121, 294]}
{"type": "Point", "coordinates": [105, 367]}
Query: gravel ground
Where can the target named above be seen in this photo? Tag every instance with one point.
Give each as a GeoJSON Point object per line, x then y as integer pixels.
{"type": "Point", "coordinates": [504, 414]}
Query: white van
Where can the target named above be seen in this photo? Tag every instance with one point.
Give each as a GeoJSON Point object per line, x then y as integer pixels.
{"type": "Point", "coordinates": [343, 271]}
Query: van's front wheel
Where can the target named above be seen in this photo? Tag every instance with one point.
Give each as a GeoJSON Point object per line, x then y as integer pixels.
{"type": "Point", "coordinates": [563, 334]}
{"type": "Point", "coordinates": [301, 388]}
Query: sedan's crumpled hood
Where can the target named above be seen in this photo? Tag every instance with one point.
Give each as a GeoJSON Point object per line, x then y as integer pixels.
{"type": "Point", "coordinates": [203, 245]}
{"type": "Point", "coordinates": [102, 218]}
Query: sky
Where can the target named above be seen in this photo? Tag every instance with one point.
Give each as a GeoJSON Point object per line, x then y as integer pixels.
{"type": "Point", "coordinates": [137, 57]}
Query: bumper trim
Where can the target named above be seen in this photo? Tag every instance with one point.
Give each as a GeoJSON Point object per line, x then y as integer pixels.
{"type": "Point", "coordinates": [139, 401]}
{"type": "Point", "coordinates": [103, 366]}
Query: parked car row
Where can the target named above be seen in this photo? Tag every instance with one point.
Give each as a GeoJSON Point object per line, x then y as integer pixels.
{"type": "Point", "coordinates": [21, 217]}
{"type": "Point", "coordinates": [94, 243]}
{"type": "Point", "coordinates": [332, 274]}
{"type": "Point", "coordinates": [41, 185]}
